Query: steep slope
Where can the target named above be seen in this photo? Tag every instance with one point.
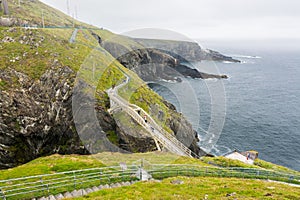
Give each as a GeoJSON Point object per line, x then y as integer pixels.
{"type": "Point", "coordinates": [153, 60]}
{"type": "Point", "coordinates": [39, 67]}
{"type": "Point", "coordinates": [34, 13]}
{"type": "Point", "coordinates": [185, 51]}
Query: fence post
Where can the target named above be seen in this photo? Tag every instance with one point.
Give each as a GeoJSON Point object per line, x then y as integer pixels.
{"type": "Point", "coordinates": [100, 178]}
{"type": "Point", "coordinates": [2, 194]}
{"type": "Point", "coordinates": [42, 185]}
{"type": "Point", "coordinates": [48, 189]}
{"type": "Point", "coordinates": [141, 174]}
{"type": "Point", "coordinates": [74, 177]}
{"type": "Point", "coordinates": [291, 178]}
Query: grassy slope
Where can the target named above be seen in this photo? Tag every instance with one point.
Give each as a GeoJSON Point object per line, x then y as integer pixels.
{"type": "Point", "coordinates": [56, 49]}
{"type": "Point", "coordinates": [51, 164]}
{"type": "Point", "coordinates": [193, 188]}
{"type": "Point", "coordinates": [198, 188]}
{"type": "Point", "coordinates": [31, 11]}
{"type": "Point", "coordinates": [259, 164]}
{"type": "Point", "coordinates": [58, 163]}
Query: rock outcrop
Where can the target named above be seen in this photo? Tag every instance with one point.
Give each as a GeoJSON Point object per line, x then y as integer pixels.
{"type": "Point", "coordinates": [154, 64]}
{"type": "Point", "coordinates": [185, 51]}
{"type": "Point", "coordinates": [36, 117]}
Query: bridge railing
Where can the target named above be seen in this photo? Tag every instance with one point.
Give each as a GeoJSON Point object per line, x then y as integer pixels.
{"type": "Point", "coordinates": [172, 143]}
{"type": "Point", "coordinates": [181, 148]}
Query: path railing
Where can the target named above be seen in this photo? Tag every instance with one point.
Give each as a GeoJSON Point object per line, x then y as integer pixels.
{"type": "Point", "coordinates": [164, 171]}
{"type": "Point", "coordinates": [157, 132]}
{"type": "Point", "coordinates": [51, 184]}
{"type": "Point", "coordinates": [44, 185]}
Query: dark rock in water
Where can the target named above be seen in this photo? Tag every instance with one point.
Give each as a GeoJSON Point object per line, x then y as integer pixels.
{"type": "Point", "coordinates": [194, 73]}
{"type": "Point", "coordinates": [217, 56]}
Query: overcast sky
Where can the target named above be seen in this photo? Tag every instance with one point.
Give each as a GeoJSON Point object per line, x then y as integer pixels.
{"type": "Point", "coordinates": [203, 19]}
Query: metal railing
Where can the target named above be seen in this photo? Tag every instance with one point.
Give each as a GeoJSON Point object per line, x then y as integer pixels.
{"type": "Point", "coordinates": [51, 184]}
{"type": "Point", "coordinates": [165, 171]}
{"type": "Point", "coordinates": [47, 184]}
{"type": "Point", "coordinates": [166, 139]}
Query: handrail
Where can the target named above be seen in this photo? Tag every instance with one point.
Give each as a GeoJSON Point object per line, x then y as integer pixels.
{"type": "Point", "coordinates": [62, 181]}
{"type": "Point", "coordinates": [165, 138]}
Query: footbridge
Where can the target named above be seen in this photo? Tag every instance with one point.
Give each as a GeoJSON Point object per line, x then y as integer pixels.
{"type": "Point", "coordinates": [167, 140]}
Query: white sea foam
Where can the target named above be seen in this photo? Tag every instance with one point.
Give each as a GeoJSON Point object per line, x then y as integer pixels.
{"type": "Point", "coordinates": [246, 56]}
{"type": "Point", "coordinates": [168, 81]}
{"type": "Point", "coordinates": [228, 62]}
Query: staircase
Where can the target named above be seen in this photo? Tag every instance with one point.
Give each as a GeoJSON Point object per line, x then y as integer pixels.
{"type": "Point", "coordinates": [167, 140]}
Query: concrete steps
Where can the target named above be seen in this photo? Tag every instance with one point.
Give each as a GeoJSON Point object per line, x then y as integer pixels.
{"type": "Point", "coordinates": [82, 192]}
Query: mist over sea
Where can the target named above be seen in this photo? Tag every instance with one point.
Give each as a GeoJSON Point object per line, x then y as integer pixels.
{"type": "Point", "coordinates": [262, 99]}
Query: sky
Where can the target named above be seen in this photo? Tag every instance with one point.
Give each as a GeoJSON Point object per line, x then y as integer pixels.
{"type": "Point", "coordinates": [197, 19]}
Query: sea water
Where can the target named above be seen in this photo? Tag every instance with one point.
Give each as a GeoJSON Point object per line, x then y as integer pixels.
{"type": "Point", "coordinates": [261, 100]}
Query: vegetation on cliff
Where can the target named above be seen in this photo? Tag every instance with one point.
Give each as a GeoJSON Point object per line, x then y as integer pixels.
{"type": "Point", "coordinates": [39, 68]}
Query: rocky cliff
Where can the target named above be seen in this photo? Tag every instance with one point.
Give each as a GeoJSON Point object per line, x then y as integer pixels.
{"type": "Point", "coordinates": [36, 117]}
{"type": "Point", "coordinates": [185, 51]}
{"type": "Point", "coordinates": [38, 70]}
{"type": "Point", "coordinates": [153, 64]}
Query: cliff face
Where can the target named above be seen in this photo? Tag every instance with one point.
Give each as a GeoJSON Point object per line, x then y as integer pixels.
{"type": "Point", "coordinates": [37, 85]}
{"type": "Point", "coordinates": [36, 117]}
{"type": "Point", "coordinates": [153, 64]}
{"type": "Point", "coordinates": [185, 51]}
{"type": "Point", "coordinates": [38, 69]}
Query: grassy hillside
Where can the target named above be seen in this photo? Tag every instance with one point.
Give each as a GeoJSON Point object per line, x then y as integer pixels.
{"type": "Point", "coordinates": [259, 164]}
{"type": "Point", "coordinates": [58, 163]}
{"type": "Point", "coordinates": [209, 183]}
{"type": "Point", "coordinates": [34, 51]}
{"type": "Point", "coordinates": [31, 12]}
{"type": "Point", "coordinates": [199, 188]}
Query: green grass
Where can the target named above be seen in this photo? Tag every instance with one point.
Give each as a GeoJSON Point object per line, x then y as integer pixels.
{"type": "Point", "coordinates": [225, 162]}
{"type": "Point", "coordinates": [258, 164]}
{"type": "Point", "coordinates": [198, 188]}
{"type": "Point", "coordinates": [270, 166]}
{"type": "Point", "coordinates": [59, 163]}
{"type": "Point", "coordinates": [51, 164]}
{"type": "Point", "coordinates": [210, 179]}
{"type": "Point", "coordinates": [31, 11]}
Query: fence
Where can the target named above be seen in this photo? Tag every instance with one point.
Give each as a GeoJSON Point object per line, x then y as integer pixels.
{"type": "Point", "coordinates": [44, 185]}
{"type": "Point", "coordinates": [164, 171]}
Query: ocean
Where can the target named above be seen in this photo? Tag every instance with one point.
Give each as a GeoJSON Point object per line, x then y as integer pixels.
{"type": "Point", "coordinates": [260, 107]}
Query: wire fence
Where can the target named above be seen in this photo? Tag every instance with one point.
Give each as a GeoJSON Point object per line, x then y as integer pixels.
{"type": "Point", "coordinates": [164, 171]}
{"type": "Point", "coordinates": [52, 184]}
{"type": "Point", "coordinates": [45, 185]}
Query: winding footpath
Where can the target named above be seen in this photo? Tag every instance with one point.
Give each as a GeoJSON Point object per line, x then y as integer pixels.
{"type": "Point", "coordinates": [159, 135]}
